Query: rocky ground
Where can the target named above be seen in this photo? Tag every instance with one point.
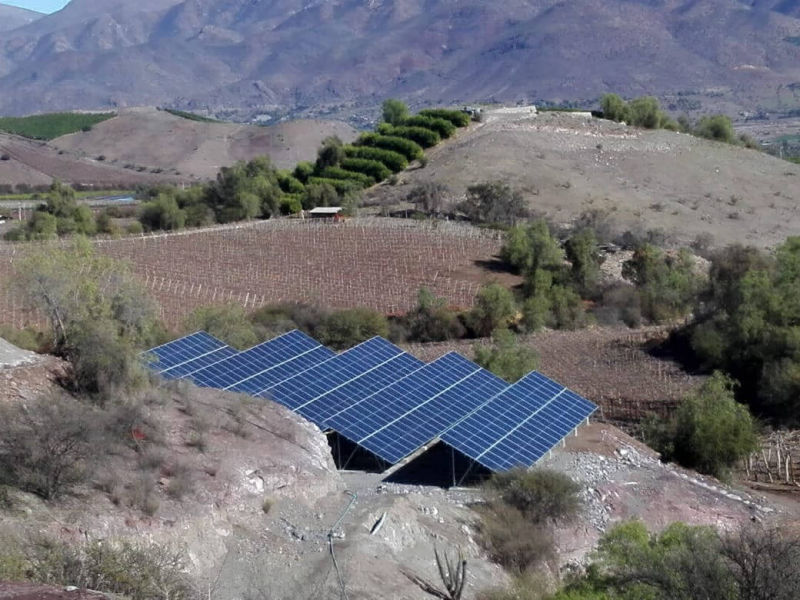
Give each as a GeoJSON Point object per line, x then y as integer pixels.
{"type": "Point", "coordinates": [264, 503]}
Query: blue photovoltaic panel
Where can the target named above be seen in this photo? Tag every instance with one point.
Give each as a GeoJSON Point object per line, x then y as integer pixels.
{"type": "Point", "coordinates": [420, 425]}
{"type": "Point", "coordinates": [182, 350]}
{"type": "Point", "coordinates": [520, 425]}
{"type": "Point", "coordinates": [187, 368]}
{"type": "Point", "coordinates": [375, 412]}
{"type": "Point", "coordinates": [313, 383]}
{"type": "Point", "coordinates": [325, 406]}
{"type": "Point", "coordinates": [284, 370]}
{"type": "Point", "coordinates": [239, 367]}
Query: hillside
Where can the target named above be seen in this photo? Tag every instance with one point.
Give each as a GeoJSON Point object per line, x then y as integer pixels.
{"type": "Point", "coordinates": [306, 56]}
{"type": "Point", "coordinates": [568, 163]}
{"type": "Point", "coordinates": [145, 145]}
{"type": "Point", "coordinates": [12, 17]}
{"type": "Point", "coordinates": [145, 136]}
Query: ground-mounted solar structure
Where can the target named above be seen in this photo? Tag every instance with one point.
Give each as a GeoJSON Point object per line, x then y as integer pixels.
{"type": "Point", "coordinates": [385, 409]}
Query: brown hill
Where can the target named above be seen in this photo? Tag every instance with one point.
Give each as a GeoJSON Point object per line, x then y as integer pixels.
{"type": "Point", "coordinates": [568, 163]}
{"type": "Point", "coordinates": [196, 149]}
{"type": "Point", "coordinates": [145, 145]}
{"type": "Point", "coordinates": [298, 55]}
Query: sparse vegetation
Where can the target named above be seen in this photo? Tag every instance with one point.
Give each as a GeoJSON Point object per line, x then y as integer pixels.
{"type": "Point", "coordinates": [53, 125]}
{"type": "Point", "coordinates": [190, 116]}
{"type": "Point", "coordinates": [506, 358]}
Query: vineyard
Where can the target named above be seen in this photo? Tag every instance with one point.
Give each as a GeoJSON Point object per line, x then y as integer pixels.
{"type": "Point", "coordinates": [609, 366]}
{"type": "Point", "coordinates": [375, 263]}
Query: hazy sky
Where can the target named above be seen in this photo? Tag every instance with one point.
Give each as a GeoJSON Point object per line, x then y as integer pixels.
{"type": "Point", "coordinates": [45, 6]}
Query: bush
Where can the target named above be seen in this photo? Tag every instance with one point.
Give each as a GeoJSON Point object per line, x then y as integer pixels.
{"type": "Point", "coordinates": [541, 495]}
{"type": "Point", "coordinates": [302, 171]}
{"type": "Point", "coordinates": [291, 204]}
{"type": "Point", "coordinates": [443, 127]}
{"type": "Point", "coordinates": [342, 186]}
{"type": "Point", "coordinates": [710, 431]}
{"type": "Point", "coordinates": [227, 322]}
{"type": "Point", "coordinates": [346, 328]}
{"type": "Point", "coordinates": [506, 358]}
{"type": "Point", "coordinates": [163, 213]}
{"type": "Point", "coordinates": [372, 168]}
{"type": "Point", "coordinates": [411, 150]}
{"type": "Point", "coordinates": [716, 127]}
{"type": "Point", "coordinates": [494, 202]}
{"type": "Point", "coordinates": [321, 193]}
{"type": "Point", "coordinates": [393, 161]}
{"type": "Point", "coordinates": [46, 445]}
{"type": "Point", "coordinates": [394, 111]}
{"type": "Point", "coordinates": [494, 309]}
{"type": "Point", "coordinates": [614, 108]}
{"type": "Point", "coordinates": [426, 138]}
{"type": "Point", "coordinates": [348, 175]}
{"type": "Point", "coordinates": [431, 321]}
{"type": "Point", "coordinates": [513, 541]}
{"type": "Point", "coordinates": [330, 154]}
{"type": "Point", "coordinates": [289, 183]}
{"type": "Point", "coordinates": [429, 196]}
{"type": "Point", "coordinates": [456, 117]}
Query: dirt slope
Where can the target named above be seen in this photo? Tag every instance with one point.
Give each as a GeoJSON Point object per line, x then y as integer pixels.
{"type": "Point", "coordinates": [567, 163]}
{"type": "Point", "coordinates": [194, 149]}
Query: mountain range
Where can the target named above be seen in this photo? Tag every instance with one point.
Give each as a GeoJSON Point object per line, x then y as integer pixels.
{"type": "Point", "coordinates": [251, 57]}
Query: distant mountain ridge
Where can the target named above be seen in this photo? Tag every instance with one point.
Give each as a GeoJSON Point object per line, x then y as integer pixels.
{"type": "Point", "coordinates": [12, 17]}
{"type": "Point", "coordinates": [261, 55]}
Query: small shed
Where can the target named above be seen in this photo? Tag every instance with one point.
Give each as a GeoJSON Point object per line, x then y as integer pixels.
{"type": "Point", "coordinates": [326, 212]}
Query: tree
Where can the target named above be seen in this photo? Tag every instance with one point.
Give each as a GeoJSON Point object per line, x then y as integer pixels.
{"type": "Point", "coordinates": [667, 284]}
{"type": "Point", "coordinates": [585, 260]}
{"type": "Point", "coordinates": [710, 431]}
{"type": "Point", "coordinates": [163, 213]}
{"type": "Point", "coordinates": [331, 153]}
{"type": "Point", "coordinates": [227, 322]}
{"type": "Point", "coordinates": [494, 308]}
{"type": "Point", "coordinates": [542, 495]}
{"type": "Point", "coordinates": [99, 315]}
{"type": "Point", "coordinates": [534, 253]}
{"type": "Point", "coordinates": [394, 111]}
{"type": "Point", "coordinates": [506, 358]}
{"type": "Point", "coordinates": [494, 202]}
{"type": "Point", "coordinates": [319, 194]}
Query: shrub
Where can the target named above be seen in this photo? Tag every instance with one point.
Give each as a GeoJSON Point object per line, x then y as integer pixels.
{"type": "Point", "coordinates": [456, 117]}
{"type": "Point", "coordinates": [163, 213]}
{"type": "Point", "coordinates": [394, 111]}
{"type": "Point", "coordinates": [710, 431]}
{"type": "Point", "coordinates": [614, 108]}
{"type": "Point", "coordinates": [541, 495]}
{"type": "Point", "coordinates": [494, 202]}
{"type": "Point", "coordinates": [494, 309]}
{"type": "Point", "coordinates": [331, 153]}
{"type": "Point", "coordinates": [46, 445]}
{"type": "Point", "coordinates": [289, 183]}
{"type": "Point", "coordinates": [320, 193]}
{"type": "Point", "coordinates": [443, 127]}
{"type": "Point", "coordinates": [426, 138]}
{"type": "Point", "coordinates": [302, 171]}
{"type": "Point", "coordinates": [429, 196]}
{"type": "Point", "coordinates": [374, 169]}
{"type": "Point", "coordinates": [291, 204]}
{"type": "Point", "coordinates": [228, 322]}
{"type": "Point", "coordinates": [346, 328]}
{"type": "Point", "coordinates": [342, 186]}
{"type": "Point", "coordinates": [431, 321]}
{"type": "Point", "coordinates": [716, 127]}
{"type": "Point", "coordinates": [506, 358]}
{"type": "Point", "coordinates": [392, 160]}
{"type": "Point", "coordinates": [512, 540]}
{"type": "Point", "coordinates": [351, 175]}
{"type": "Point", "coordinates": [411, 150]}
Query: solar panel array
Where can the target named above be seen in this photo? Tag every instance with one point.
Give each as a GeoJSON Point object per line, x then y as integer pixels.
{"type": "Point", "coordinates": [385, 400]}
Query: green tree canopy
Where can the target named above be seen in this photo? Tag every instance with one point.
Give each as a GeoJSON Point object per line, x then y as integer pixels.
{"type": "Point", "coordinates": [506, 357]}
{"type": "Point", "coordinates": [394, 111]}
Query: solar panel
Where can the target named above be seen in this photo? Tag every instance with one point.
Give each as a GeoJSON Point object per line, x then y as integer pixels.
{"type": "Point", "coordinates": [316, 381]}
{"type": "Point", "coordinates": [320, 409]}
{"type": "Point", "coordinates": [237, 368]}
{"type": "Point", "coordinates": [369, 416]}
{"type": "Point", "coordinates": [420, 425]}
{"type": "Point", "coordinates": [520, 425]}
{"type": "Point", "coordinates": [284, 370]}
{"type": "Point", "coordinates": [182, 350]}
{"type": "Point", "coordinates": [189, 367]}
